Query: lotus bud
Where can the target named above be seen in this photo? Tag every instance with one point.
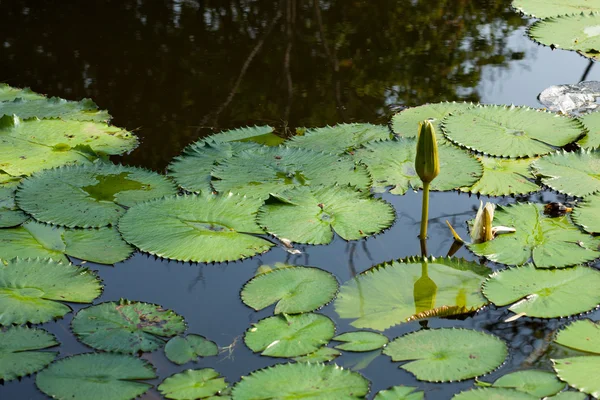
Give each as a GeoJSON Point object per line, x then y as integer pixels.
{"type": "Point", "coordinates": [427, 163]}
{"type": "Point", "coordinates": [488, 218]}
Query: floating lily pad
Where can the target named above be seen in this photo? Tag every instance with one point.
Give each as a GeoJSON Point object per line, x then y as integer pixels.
{"type": "Point", "coordinates": [400, 393]}
{"type": "Point", "coordinates": [587, 214]}
{"type": "Point", "coordinates": [399, 291]}
{"type": "Point", "coordinates": [406, 122]}
{"type": "Point", "coordinates": [534, 382]}
{"type": "Point", "coordinates": [504, 176]}
{"type": "Point", "coordinates": [581, 335]}
{"type": "Point", "coordinates": [98, 376]}
{"type": "Point", "coordinates": [592, 123]}
{"type": "Point", "coordinates": [340, 138]}
{"type": "Point", "coordinates": [493, 393]}
{"type": "Point", "coordinates": [294, 289]}
{"type": "Point", "coordinates": [544, 293]}
{"type": "Point", "coordinates": [443, 355]}
{"type": "Point", "coordinates": [289, 335]}
{"type": "Point", "coordinates": [31, 145]}
{"type": "Point", "coordinates": [324, 354]}
{"type": "Point", "coordinates": [10, 214]}
{"type": "Point", "coordinates": [391, 164]}
{"type": "Point", "coordinates": [577, 32]}
{"type": "Point", "coordinates": [361, 341]}
{"type": "Point", "coordinates": [84, 110]}
{"type": "Point", "coordinates": [548, 242]}
{"type": "Point", "coordinates": [196, 228]}
{"type": "Point", "coordinates": [265, 170]}
{"type": "Point", "coordinates": [9, 93]}
{"type": "Point", "coordinates": [181, 350]}
{"type": "Point", "coordinates": [256, 134]}
{"type": "Point", "coordinates": [286, 381]}
{"type": "Point", "coordinates": [580, 373]}
{"type": "Point", "coordinates": [16, 357]}
{"type": "Point", "coordinates": [511, 131]}
{"type": "Point", "coordinates": [89, 196]}
{"type": "Point", "coordinates": [551, 8]}
{"type": "Point", "coordinates": [34, 239]}
{"type": "Point", "coordinates": [193, 384]}
{"type": "Point", "coordinates": [574, 174]}
{"type": "Point", "coordinates": [311, 214]}
{"type": "Point", "coordinates": [30, 290]}
{"type": "Point", "coordinates": [568, 395]}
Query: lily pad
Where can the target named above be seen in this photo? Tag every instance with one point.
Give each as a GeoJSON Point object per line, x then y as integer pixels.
{"type": "Point", "coordinates": [126, 326]}
{"type": "Point", "coordinates": [340, 138]}
{"type": "Point", "coordinates": [196, 228]}
{"type": "Point", "coordinates": [568, 395]}
{"type": "Point", "coordinates": [289, 335]}
{"type": "Point", "coordinates": [181, 350]}
{"type": "Point", "coordinates": [511, 131]}
{"type": "Point", "coordinates": [30, 290]}
{"type": "Point", "coordinates": [34, 239]}
{"type": "Point", "coordinates": [294, 289]}
{"type": "Point", "coordinates": [361, 341]}
{"type": "Point", "coordinates": [587, 214]}
{"type": "Point", "coordinates": [9, 93]}
{"type": "Point", "coordinates": [193, 384]}
{"type": "Point", "coordinates": [89, 196]}
{"type": "Point", "coordinates": [548, 242]}
{"type": "Point", "coordinates": [98, 376]}
{"type": "Point", "coordinates": [84, 110]}
{"type": "Point", "coordinates": [10, 214]}
{"type": "Point", "coordinates": [493, 393]}
{"type": "Point", "coordinates": [324, 354]}
{"type": "Point", "coordinates": [16, 357]}
{"type": "Point", "coordinates": [592, 123]}
{"type": "Point", "coordinates": [574, 173]}
{"type": "Point", "coordinates": [391, 164]}
{"type": "Point", "coordinates": [544, 293]}
{"type": "Point", "coordinates": [311, 214]}
{"type": "Point", "coordinates": [257, 134]}
{"type": "Point", "coordinates": [504, 176]}
{"type": "Point", "coordinates": [577, 32]}
{"type": "Point", "coordinates": [31, 145]}
{"type": "Point", "coordinates": [415, 288]}
{"type": "Point", "coordinates": [534, 382]}
{"type": "Point", "coordinates": [551, 8]}
{"type": "Point", "coordinates": [266, 170]}
{"type": "Point", "coordinates": [581, 335]}
{"type": "Point", "coordinates": [289, 381]}
{"type": "Point", "coordinates": [580, 373]}
{"type": "Point", "coordinates": [400, 393]}
{"type": "Point", "coordinates": [444, 355]}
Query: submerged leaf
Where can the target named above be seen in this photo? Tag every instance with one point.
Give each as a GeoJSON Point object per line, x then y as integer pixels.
{"type": "Point", "coordinates": [361, 341]}
{"type": "Point", "coordinates": [581, 335]}
{"type": "Point", "coordinates": [181, 350]}
{"type": "Point", "coordinates": [400, 393]}
{"type": "Point", "coordinates": [580, 373]}
{"type": "Point", "coordinates": [84, 110]}
{"type": "Point", "coordinates": [493, 393]}
{"type": "Point", "coordinates": [534, 382]}
{"type": "Point", "coordinates": [324, 354]}
{"type": "Point", "coordinates": [16, 357]}
{"type": "Point", "coordinates": [340, 138]}
{"type": "Point", "coordinates": [503, 177]}
{"type": "Point", "coordinates": [256, 134]}
{"type": "Point", "coordinates": [574, 174]}
{"type": "Point", "coordinates": [193, 384]}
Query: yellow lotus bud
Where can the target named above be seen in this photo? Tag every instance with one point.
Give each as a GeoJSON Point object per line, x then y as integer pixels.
{"type": "Point", "coordinates": [427, 163]}
{"type": "Point", "coordinates": [488, 218]}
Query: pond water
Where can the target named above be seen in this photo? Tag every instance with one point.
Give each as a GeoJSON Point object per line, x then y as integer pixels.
{"type": "Point", "coordinates": [176, 70]}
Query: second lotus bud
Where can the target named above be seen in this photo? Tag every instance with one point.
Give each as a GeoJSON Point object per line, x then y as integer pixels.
{"type": "Point", "coordinates": [427, 163]}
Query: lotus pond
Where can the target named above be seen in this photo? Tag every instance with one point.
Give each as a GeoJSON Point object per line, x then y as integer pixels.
{"type": "Point", "coordinates": [253, 235]}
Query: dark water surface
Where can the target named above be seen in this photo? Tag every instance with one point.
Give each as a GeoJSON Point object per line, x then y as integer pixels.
{"type": "Point", "coordinates": [177, 70]}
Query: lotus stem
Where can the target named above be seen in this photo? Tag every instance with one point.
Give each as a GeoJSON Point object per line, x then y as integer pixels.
{"type": "Point", "coordinates": [424, 211]}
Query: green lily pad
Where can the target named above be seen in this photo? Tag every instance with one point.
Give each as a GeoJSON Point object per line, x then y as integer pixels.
{"type": "Point", "coordinates": [126, 326]}
{"type": "Point", "coordinates": [289, 335]}
{"type": "Point", "coordinates": [196, 228]}
{"type": "Point", "coordinates": [592, 123]}
{"type": "Point", "coordinates": [98, 376]}
{"type": "Point", "coordinates": [581, 335]}
{"type": "Point", "coordinates": [580, 373]}
{"type": "Point", "coordinates": [400, 393]}
{"type": "Point", "coordinates": [193, 384]}
{"type": "Point", "coordinates": [534, 382]}
{"type": "Point", "coordinates": [84, 110]}
{"type": "Point", "coordinates": [415, 288]}
{"type": "Point", "coordinates": [574, 174]}
{"type": "Point", "coordinates": [551, 8]}
{"type": "Point", "coordinates": [444, 355]}
{"type": "Point", "coordinates": [266, 170]}
{"type": "Point", "coordinates": [257, 134]}
{"type": "Point", "coordinates": [16, 357]}
{"type": "Point", "coordinates": [361, 341]}
{"type": "Point", "coordinates": [324, 354]}
{"type": "Point", "coordinates": [548, 242]}
{"type": "Point", "coordinates": [511, 131]}
{"type": "Point", "coordinates": [504, 176]}
{"type": "Point", "coordinates": [10, 214]}
{"type": "Point", "coordinates": [311, 214]}
{"type": "Point", "coordinates": [340, 138]}
{"type": "Point", "coordinates": [493, 393]}
{"type": "Point", "coordinates": [294, 289]}
{"type": "Point", "coordinates": [34, 239]}
{"type": "Point", "coordinates": [392, 164]}
{"type": "Point", "coordinates": [30, 290]}
{"type": "Point", "coordinates": [89, 196]}
{"type": "Point", "coordinates": [290, 381]}
{"type": "Point", "coordinates": [577, 32]}
{"type": "Point", "coordinates": [31, 145]}
{"type": "Point", "coordinates": [587, 214]}
{"type": "Point", "coordinates": [568, 395]}
{"type": "Point", "coordinates": [544, 293]}
{"type": "Point", "coordinates": [181, 350]}
{"type": "Point", "coordinates": [9, 93]}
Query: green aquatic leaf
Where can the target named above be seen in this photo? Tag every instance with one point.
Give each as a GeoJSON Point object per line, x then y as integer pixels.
{"type": "Point", "coordinates": [294, 290]}
{"type": "Point", "coordinates": [324, 354]}
{"type": "Point", "coordinates": [256, 134]}
{"type": "Point", "coordinates": [16, 357]}
{"type": "Point", "coordinates": [400, 393]}
{"type": "Point", "coordinates": [493, 393]}
{"type": "Point", "coordinates": [10, 214]}
{"type": "Point", "coordinates": [534, 382]}
{"type": "Point", "coordinates": [568, 395]}
{"type": "Point", "coordinates": [341, 138]}
{"type": "Point", "coordinates": [30, 290]}
{"type": "Point", "coordinates": [126, 326]}
{"type": "Point", "coordinates": [444, 355]}
{"type": "Point", "coordinates": [37, 240]}
{"type": "Point", "coordinates": [511, 131]}
{"type": "Point", "coordinates": [196, 228]}
{"type": "Point", "coordinates": [193, 384]}
{"type": "Point", "coordinates": [301, 380]}
{"type": "Point", "coordinates": [581, 335]}
{"type": "Point", "coordinates": [587, 213]}
{"type": "Point", "coordinates": [580, 373]}
{"type": "Point", "coordinates": [548, 242]}
{"type": "Point", "coordinates": [84, 110]}
{"type": "Point", "coordinates": [504, 176]}
{"type": "Point", "coordinates": [552, 8]}
{"type": "Point", "coordinates": [573, 173]}
{"type": "Point", "coordinates": [289, 335]}
{"type": "Point", "coordinates": [544, 293]}
{"type": "Point", "coordinates": [89, 196]}
{"type": "Point", "coordinates": [414, 288]}
{"type": "Point", "coordinates": [361, 341]}
{"type": "Point", "coordinates": [576, 32]}
{"type": "Point", "coordinates": [311, 214]}
{"type": "Point", "coordinates": [266, 170]}
{"type": "Point", "coordinates": [9, 93]}
{"type": "Point", "coordinates": [181, 350]}
{"type": "Point", "coordinates": [98, 376]}
{"type": "Point", "coordinates": [591, 121]}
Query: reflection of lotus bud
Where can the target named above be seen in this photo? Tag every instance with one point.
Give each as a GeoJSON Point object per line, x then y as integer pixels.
{"type": "Point", "coordinates": [427, 163]}
{"type": "Point", "coordinates": [425, 291]}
